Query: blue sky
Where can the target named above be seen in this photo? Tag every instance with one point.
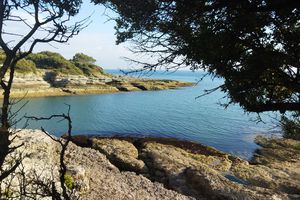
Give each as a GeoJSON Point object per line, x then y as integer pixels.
{"type": "Point", "coordinates": [97, 40]}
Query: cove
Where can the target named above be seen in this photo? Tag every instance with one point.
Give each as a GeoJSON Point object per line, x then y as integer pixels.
{"type": "Point", "coordinates": [173, 113]}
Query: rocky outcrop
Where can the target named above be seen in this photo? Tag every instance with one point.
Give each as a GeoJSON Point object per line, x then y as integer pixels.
{"type": "Point", "coordinates": [204, 172]}
{"type": "Point", "coordinates": [94, 177]}
{"type": "Point", "coordinates": [278, 161]}
{"type": "Point", "coordinates": [48, 83]}
{"type": "Point", "coordinates": [156, 168]}
{"type": "Point", "coordinates": [121, 153]}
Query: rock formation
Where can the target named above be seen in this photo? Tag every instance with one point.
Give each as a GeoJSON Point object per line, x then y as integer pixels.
{"type": "Point", "coordinates": [48, 83]}
{"type": "Point", "coordinates": [94, 176]}
{"type": "Point", "coordinates": [203, 172]}
{"type": "Point", "coordinates": [157, 168]}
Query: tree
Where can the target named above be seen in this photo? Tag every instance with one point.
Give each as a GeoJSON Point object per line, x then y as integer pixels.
{"type": "Point", "coordinates": [80, 57]}
{"type": "Point", "coordinates": [39, 21]}
{"type": "Point", "coordinates": [253, 45]}
{"type": "Point", "coordinates": [55, 62]}
{"type": "Point", "coordinates": [87, 64]}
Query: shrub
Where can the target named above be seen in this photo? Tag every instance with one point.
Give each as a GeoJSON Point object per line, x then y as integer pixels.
{"type": "Point", "coordinates": [80, 57]}
{"type": "Point", "coordinates": [290, 127]}
{"type": "Point", "coordinates": [81, 64]}
{"type": "Point", "coordinates": [23, 66]}
{"type": "Point", "coordinates": [26, 66]}
{"type": "Point", "coordinates": [54, 61]}
{"type": "Point", "coordinates": [89, 69]}
{"type": "Point", "coordinates": [297, 146]}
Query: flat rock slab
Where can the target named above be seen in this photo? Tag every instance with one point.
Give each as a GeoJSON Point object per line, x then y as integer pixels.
{"type": "Point", "coordinates": [204, 172]}
{"type": "Point", "coordinates": [121, 153]}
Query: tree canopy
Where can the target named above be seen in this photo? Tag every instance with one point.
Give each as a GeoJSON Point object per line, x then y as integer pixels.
{"type": "Point", "coordinates": [253, 45]}
{"type": "Point", "coordinates": [55, 62]}
{"type": "Point", "coordinates": [80, 57]}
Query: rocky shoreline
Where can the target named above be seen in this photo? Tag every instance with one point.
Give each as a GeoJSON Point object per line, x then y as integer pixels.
{"type": "Point", "coordinates": [203, 172]}
{"type": "Point", "coordinates": [46, 83]}
{"type": "Point", "coordinates": [158, 168]}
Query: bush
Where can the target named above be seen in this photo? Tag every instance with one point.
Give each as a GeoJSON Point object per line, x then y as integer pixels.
{"type": "Point", "coordinates": [23, 66]}
{"type": "Point", "coordinates": [89, 69]}
{"type": "Point", "coordinates": [26, 66]}
{"type": "Point", "coordinates": [55, 62]}
{"type": "Point", "coordinates": [80, 57]}
{"type": "Point", "coordinates": [81, 64]}
{"type": "Point", "coordinates": [290, 127]}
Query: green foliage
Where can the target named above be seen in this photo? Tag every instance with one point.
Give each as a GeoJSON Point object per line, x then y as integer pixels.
{"type": "Point", "coordinates": [25, 66]}
{"type": "Point", "coordinates": [69, 182]}
{"type": "Point", "coordinates": [55, 62]}
{"type": "Point", "coordinates": [81, 64]}
{"type": "Point", "coordinates": [253, 45]}
{"type": "Point", "coordinates": [86, 64]}
{"type": "Point", "coordinates": [89, 69]}
{"type": "Point", "coordinates": [48, 60]}
{"type": "Point", "coordinates": [291, 127]}
{"type": "Point", "coordinates": [82, 58]}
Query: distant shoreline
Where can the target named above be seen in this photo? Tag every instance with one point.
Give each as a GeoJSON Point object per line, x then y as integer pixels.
{"type": "Point", "coordinates": [40, 85]}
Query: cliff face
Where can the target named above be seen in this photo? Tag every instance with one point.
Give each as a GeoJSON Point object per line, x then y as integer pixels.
{"type": "Point", "coordinates": [47, 83]}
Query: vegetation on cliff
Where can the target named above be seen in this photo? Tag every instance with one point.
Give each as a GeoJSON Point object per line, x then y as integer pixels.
{"type": "Point", "coordinates": [80, 64]}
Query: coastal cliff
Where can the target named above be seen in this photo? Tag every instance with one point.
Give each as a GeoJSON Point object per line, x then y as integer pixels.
{"type": "Point", "coordinates": [50, 74]}
{"type": "Point", "coordinates": [48, 83]}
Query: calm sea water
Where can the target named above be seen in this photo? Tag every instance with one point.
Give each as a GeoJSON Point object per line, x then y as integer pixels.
{"type": "Point", "coordinates": [169, 113]}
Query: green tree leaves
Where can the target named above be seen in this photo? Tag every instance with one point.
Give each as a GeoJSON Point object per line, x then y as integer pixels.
{"type": "Point", "coordinates": [253, 45]}
{"type": "Point", "coordinates": [80, 57]}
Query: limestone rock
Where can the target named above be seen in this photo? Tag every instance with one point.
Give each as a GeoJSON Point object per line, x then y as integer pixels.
{"type": "Point", "coordinates": [122, 153]}
{"type": "Point", "coordinates": [213, 185]}
{"type": "Point", "coordinates": [49, 83]}
{"type": "Point", "coordinates": [219, 176]}
{"type": "Point", "coordinates": [168, 163]}
{"type": "Point", "coordinates": [173, 159]}
{"type": "Point", "coordinates": [90, 169]}
{"type": "Point", "coordinates": [275, 166]}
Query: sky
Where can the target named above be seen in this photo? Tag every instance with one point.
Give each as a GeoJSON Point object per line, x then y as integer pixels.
{"type": "Point", "coordinates": [97, 40]}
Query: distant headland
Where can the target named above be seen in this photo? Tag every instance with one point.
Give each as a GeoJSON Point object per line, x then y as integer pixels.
{"type": "Point", "coordinates": [50, 74]}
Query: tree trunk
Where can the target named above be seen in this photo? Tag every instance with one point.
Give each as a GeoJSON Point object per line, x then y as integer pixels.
{"type": "Point", "coordinates": [4, 132]}
{"type": "Point", "coordinates": [4, 144]}
{"type": "Point", "coordinates": [5, 124]}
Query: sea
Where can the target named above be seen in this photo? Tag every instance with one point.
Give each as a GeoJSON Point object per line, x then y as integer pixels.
{"type": "Point", "coordinates": [181, 113]}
